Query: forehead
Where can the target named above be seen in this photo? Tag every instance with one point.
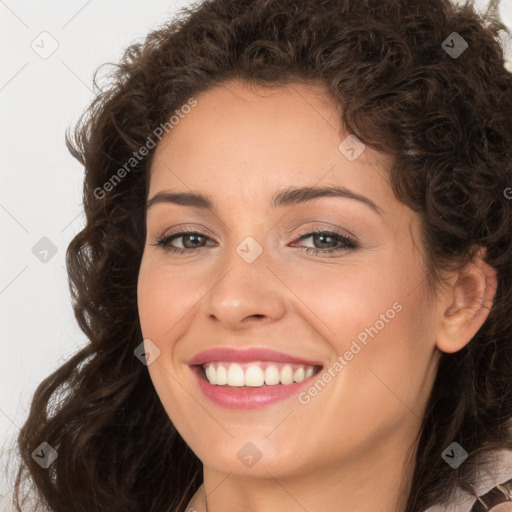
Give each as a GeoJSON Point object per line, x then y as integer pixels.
{"type": "Point", "coordinates": [255, 135]}
{"type": "Point", "coordinates": [238, 112]}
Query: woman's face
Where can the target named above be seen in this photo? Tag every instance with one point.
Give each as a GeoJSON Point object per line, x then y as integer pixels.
{"type": "Point", "coordinates": [252, 280]}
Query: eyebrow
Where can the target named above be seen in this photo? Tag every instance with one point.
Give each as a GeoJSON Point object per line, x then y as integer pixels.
{"type": "Point", "coordinates": [287, 197]}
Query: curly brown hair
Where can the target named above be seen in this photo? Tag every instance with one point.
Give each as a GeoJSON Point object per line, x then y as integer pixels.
{"type": "Point", "coordinates": [445, 121]}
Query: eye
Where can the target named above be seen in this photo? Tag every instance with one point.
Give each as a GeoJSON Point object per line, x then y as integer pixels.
{"type": "Point", "coordinates": [325, 238]}
{"type": "Point", "coordinates": [189, 243]}
{"type": "Point", "coordinates": [195, 240]}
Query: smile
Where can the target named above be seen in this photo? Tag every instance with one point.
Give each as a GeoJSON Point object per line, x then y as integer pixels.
{"type": "Point", "coordinates": [255, 394]}
{"type": "Point", "coordinates": [256, 373]}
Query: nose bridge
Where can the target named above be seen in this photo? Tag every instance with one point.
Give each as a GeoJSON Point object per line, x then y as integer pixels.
{"type": "Point", "coordinates": [245, 261]}
{"type": "Point", "coordinates": [248, 238]}
{"type": "Point", "coordinates": [245, 285]}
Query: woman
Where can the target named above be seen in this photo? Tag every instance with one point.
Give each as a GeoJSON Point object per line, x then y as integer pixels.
{"type": "Point", "coordinates": [296, 271]}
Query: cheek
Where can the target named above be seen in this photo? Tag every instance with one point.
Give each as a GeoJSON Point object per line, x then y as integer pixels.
{"type": "Point", "coordinates": [163, 298]}
{"type": "Point", "coordinates": [162, 303]}
{"type": "Point", "coordinates": [378, 323]}
{"type": "Point", "coordinates": [350, 301]}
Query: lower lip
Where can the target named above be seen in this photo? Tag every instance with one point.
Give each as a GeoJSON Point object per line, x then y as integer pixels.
{"type": "Point", "coordinates": [247, 397]}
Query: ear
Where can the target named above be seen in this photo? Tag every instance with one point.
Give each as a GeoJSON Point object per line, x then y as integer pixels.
{"type": "Point", "coordinates": [465, 304]}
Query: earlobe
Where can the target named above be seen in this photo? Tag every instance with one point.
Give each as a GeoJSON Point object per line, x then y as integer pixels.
{"type": "Point", "coordinates": [468, 305]}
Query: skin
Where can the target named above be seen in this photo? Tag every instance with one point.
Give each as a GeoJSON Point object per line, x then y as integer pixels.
{"type": "Point", "coordinates": [346, 450]}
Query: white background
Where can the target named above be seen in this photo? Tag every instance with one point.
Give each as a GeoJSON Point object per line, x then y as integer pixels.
{"type": "Point", "coordinates": [40, 187]}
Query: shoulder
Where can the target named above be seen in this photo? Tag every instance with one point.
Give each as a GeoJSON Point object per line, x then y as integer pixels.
{"type": "Point", "coordinates": [501, 493]}
{"type": "Point", "coordinates": [494, 487]}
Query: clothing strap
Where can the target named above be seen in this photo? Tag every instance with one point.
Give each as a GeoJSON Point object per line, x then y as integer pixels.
{"type": "Point", "coordinates": [499, 494]}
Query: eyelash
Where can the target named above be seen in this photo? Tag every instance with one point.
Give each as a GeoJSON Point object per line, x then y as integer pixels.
{"type": "Point", "coordinates": [348, 242]}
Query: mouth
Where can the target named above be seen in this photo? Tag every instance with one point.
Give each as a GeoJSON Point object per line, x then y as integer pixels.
{"type": "Point", "coordinates": [251, 379]}
{"type": "Point", "coordinates": [255, 374]}
{"type": "Point", "coordinates": [252, 385]}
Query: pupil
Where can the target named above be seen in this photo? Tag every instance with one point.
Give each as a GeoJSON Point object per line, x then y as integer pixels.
{"type": "Point", "coordinates": [323, 236]}
{"type": "Point", "coordinates": [191, 237]}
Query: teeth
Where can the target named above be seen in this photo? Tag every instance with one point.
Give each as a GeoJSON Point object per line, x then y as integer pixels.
{"type": "Point", "coordinates": [286, 376]}
{"type": "Point", "coordinates": [235, 375]}
{"type": "Point", "coordinates": [211, 374]}
{"type": "Point", "coordinates": [221, 375]}
{"type": "Point", "coordinates": [299, 374]}
{"type": "Point", "coordinates": [271, 375]}
{"type": "Point", "coordinates": [256, 374]}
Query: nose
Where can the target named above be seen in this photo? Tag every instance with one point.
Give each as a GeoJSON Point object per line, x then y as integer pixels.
{"type": "Point", "coordinates": [246, 293]}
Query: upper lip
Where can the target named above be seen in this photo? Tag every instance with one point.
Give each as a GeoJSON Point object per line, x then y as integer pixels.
{"type": "Point", "coordinates": [246, 356]}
